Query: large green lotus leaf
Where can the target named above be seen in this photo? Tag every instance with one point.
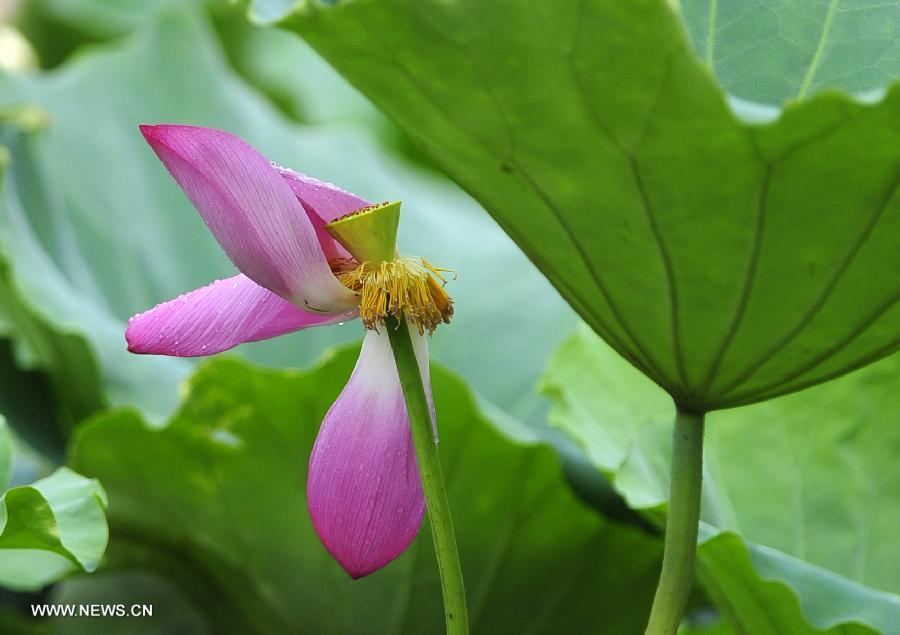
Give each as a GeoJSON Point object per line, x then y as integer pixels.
{"type": "Point", "coordinates": [771, 51]}
{"type": "Point", "coordinates": [730, 262]}
{"type": "Point", "coordinates": [214, 503]}
{"type": "Point", "coordinates": [800, 492]}
{"type": "Point", "coordinates": [51, 528]}
{"type": "Point", "coordinates": [96, 230]}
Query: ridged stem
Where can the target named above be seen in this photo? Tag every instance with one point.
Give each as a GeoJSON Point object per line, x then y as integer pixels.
{"type": "Point", "coordinates": [681, 526]}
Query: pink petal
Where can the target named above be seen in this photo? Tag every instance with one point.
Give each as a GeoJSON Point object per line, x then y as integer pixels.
{"type": "Point", "coordinates": [252, 213]}
{"type": "Point", "coordinates": [364, 492]}
{"type": "Point", "coordinates": [323, 202]}
{"type": "Point", "coordinates": [327, 201]}
{"type": "Point", "coordinates": [217, 317]}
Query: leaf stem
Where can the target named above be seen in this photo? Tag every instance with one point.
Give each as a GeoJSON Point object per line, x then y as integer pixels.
{"type": "Point", "coordinates": [681, 526]}
{"type": "Point", "coordinates": [432, 478]}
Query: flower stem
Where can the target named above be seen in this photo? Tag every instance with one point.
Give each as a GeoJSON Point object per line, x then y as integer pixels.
{"type": "Point", "coordinates": [432, 479]}
{"type": "Point", "coordinates": [681, 526]}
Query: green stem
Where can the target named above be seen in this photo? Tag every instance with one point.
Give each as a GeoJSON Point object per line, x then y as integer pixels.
{"type": "Point", "coordinates": [681, 527]}
{"type": "Point", "coordinates": [432, 479]}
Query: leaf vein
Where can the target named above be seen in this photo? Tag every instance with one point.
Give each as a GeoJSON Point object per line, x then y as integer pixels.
{"type": "Point", "coordinates": [787, 386]}
{"type": "Point", "coordinates": [823, 298]}
{"type": "Point", "coordinates": [749, 279]}
{"type": "Point", "coordinates": [711, 32]}
{"type": "Point", "coordinates": [820, 49]}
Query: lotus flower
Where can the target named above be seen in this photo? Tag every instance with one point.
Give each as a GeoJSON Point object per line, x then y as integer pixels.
{"type": "Point", "coordinates": [309, 254]}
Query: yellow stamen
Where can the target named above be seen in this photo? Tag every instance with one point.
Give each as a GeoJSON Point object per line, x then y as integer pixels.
{"type": "Point", "coordinates": [404, 286]}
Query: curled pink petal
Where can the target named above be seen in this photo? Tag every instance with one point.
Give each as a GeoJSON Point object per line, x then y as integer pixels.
{"type": "Point", "coordinates": [217, 317]}
{"type": "Point", "coordinates": [252, 212]}
{"type": "Point", "coordinates": [364, 492]}
{"type": "Point", "coordinates": [323, 202]}
{"type": "Point", "coordinates": [327, 201]}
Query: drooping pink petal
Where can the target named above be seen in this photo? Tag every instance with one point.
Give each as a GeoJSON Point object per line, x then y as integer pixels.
{"type": "Point", "coordinates": [252, 212]}
{"type": "Point", "coordinates": [217, 317]}
{"type": "Point", "coordinates": [364, 492]}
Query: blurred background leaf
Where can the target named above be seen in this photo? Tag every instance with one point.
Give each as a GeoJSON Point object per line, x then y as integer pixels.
{"type": "Point", "coordinates": [58, 328]}
{"type": "Point", "coordinates": [213, 503]}
{"type": "Point", "coordinates": [49, 376]}
{"type": "Point", "coordinates": [810, 476]}
{"type": "Point", "coordinates": [6, 455]}
{"type": "Point", "coordinates": [59, 27]}
{"type": "Point", "coordinates": [270, 10]}
{"type": "Point", "coordinates": [771, 51]}
{"type": "Point", "coordinates": [50, 528]}
{"type": "Point", "coordinates": [284, 68]}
